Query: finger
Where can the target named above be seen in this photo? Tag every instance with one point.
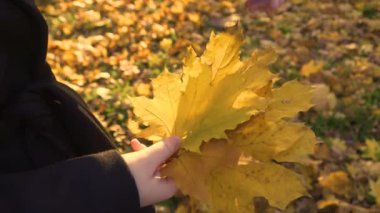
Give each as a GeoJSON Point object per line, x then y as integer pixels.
{"type": "Point", "coordinates": [161, 189]}
{"type": "Point", "coordinates": [136, 145]}
{"type": "Point", "coordinates": [159, 152]}
{"type": "Point", "coordinates": [166, 187]}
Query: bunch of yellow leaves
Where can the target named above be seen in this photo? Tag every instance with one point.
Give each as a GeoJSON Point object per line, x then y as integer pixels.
{"type": "Point", "coordinates": [234, 125]}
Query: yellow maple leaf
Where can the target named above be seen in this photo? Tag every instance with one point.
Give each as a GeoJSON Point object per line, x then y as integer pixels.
{"type": "Point", "coordinates": [229, 187]}
{"type": "Point", "coordinates": [311, 67]}
{"type": "Point", "coordinates": [289, 100]}
{"type": "Point", "coordinates": [338, 182]}
{"type": "Point", "coordinates": [233, 126]}
{"type": "Point", "coordinates": [214, 154]}
{"type": "Point", "coordinates": [158, 112]}
{"type": "Point", "coordinates": [207, 98]}
{"type": "Point", "coordinates": [281, 140]}
{"type": "Point", "coordinates": [232, 190]}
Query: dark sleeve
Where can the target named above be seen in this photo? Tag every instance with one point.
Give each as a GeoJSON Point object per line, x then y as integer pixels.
{"type": "Point", "coordinates": [94, 183]}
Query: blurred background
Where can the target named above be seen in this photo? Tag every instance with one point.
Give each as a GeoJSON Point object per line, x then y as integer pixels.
{"type": "Point", "coordinates": [109, 49]}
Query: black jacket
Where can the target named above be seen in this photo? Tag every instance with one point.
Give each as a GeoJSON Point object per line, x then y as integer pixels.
{"type": "Point", "coordinates": [54, 155]}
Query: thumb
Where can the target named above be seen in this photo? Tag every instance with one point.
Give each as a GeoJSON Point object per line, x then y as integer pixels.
{"type": "Point", "coordinates": [161, 151]}
{"type": "Point", "coordinates": [136, 145]}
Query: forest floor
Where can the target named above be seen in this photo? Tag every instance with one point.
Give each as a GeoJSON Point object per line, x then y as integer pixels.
{"type": "Point", "coordinates": [108, 49]}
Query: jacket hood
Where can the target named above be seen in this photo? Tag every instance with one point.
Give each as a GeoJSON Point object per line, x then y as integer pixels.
{"type": "Point", "coordinates": [46, 106]}
{"type": "Point", "coordinates": [40, 69]}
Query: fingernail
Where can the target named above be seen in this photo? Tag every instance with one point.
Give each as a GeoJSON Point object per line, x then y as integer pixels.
{"type": "Point", "coordinates": [135, 141]}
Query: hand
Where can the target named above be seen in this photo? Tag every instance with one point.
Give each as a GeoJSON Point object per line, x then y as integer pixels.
{"type": "Point", "coordinates": [144, 165]}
